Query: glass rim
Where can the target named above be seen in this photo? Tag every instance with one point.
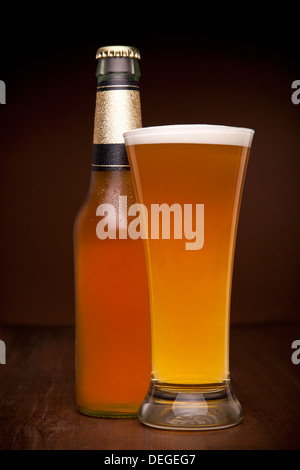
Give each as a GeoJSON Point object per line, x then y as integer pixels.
{"type": "Point", "coordinates": [190, 133]}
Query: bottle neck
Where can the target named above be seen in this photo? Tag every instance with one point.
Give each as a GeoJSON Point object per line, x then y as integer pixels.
{"type": "Point", "coordinates": [118, 110]}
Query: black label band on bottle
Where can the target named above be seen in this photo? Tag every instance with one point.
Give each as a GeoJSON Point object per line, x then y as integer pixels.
{"type": "Point", "coordinates": [109, 157]}
{"type": "Point", "coordinates": [118, 85]}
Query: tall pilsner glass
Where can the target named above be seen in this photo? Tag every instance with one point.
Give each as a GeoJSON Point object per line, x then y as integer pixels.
{"type": "Point", "coordinates": [188, 181]}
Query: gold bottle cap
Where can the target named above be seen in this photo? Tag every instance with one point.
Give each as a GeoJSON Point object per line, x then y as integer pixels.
{"type": "Point", "coordinates": [118, 51]}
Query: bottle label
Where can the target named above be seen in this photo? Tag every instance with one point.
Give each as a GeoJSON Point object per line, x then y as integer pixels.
{"type": "Point", "coordinates": [118, 110]}
{"type": "Point", "coordinates": [108, 157]}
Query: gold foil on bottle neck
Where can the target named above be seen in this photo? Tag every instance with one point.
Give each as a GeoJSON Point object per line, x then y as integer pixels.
{"type": "Point", "coordinates": [117, 111]}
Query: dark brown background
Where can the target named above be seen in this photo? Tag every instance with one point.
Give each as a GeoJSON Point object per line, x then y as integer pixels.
{"type": "Point", "coordinates": [214, 74]}
{"type": "Point", "coordinates": [217, 65]}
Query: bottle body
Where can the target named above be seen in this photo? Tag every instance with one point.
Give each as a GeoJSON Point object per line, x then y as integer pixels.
{"type": "Point", "coordinates": [112, 309]}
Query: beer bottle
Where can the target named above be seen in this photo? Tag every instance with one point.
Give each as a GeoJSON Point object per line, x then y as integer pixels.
{"type": "Point", "coordinates": [111, 293]}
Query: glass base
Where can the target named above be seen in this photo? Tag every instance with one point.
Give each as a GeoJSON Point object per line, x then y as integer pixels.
{"type": "Point", "coordinates": [190, 407]}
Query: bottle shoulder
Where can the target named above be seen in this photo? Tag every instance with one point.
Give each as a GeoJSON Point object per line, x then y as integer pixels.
{"type": "Point", "coordinates": [106, 187]}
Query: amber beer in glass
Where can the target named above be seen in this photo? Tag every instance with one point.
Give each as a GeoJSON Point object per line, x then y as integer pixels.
{"type": "Point", "coordinates": [199, 169]}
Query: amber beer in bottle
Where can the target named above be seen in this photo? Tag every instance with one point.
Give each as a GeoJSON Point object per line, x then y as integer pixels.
{"type": "Point", "coordinates": [113, 364]}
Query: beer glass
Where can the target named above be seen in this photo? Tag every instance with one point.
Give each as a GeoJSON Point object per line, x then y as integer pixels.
{"type": "Point", "coordinates": [188, 181]}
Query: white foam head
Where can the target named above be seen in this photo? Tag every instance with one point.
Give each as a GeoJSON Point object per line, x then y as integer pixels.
{"type": "Point", "coordinates": [192, 134]}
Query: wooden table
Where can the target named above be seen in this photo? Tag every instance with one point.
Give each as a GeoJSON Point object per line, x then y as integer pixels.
{"type": "Point", "coordinates": [37, 408]}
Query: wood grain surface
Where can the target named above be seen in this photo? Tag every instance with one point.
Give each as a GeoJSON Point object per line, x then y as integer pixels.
{"type": "Point", "coordinates": [37, 407]}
